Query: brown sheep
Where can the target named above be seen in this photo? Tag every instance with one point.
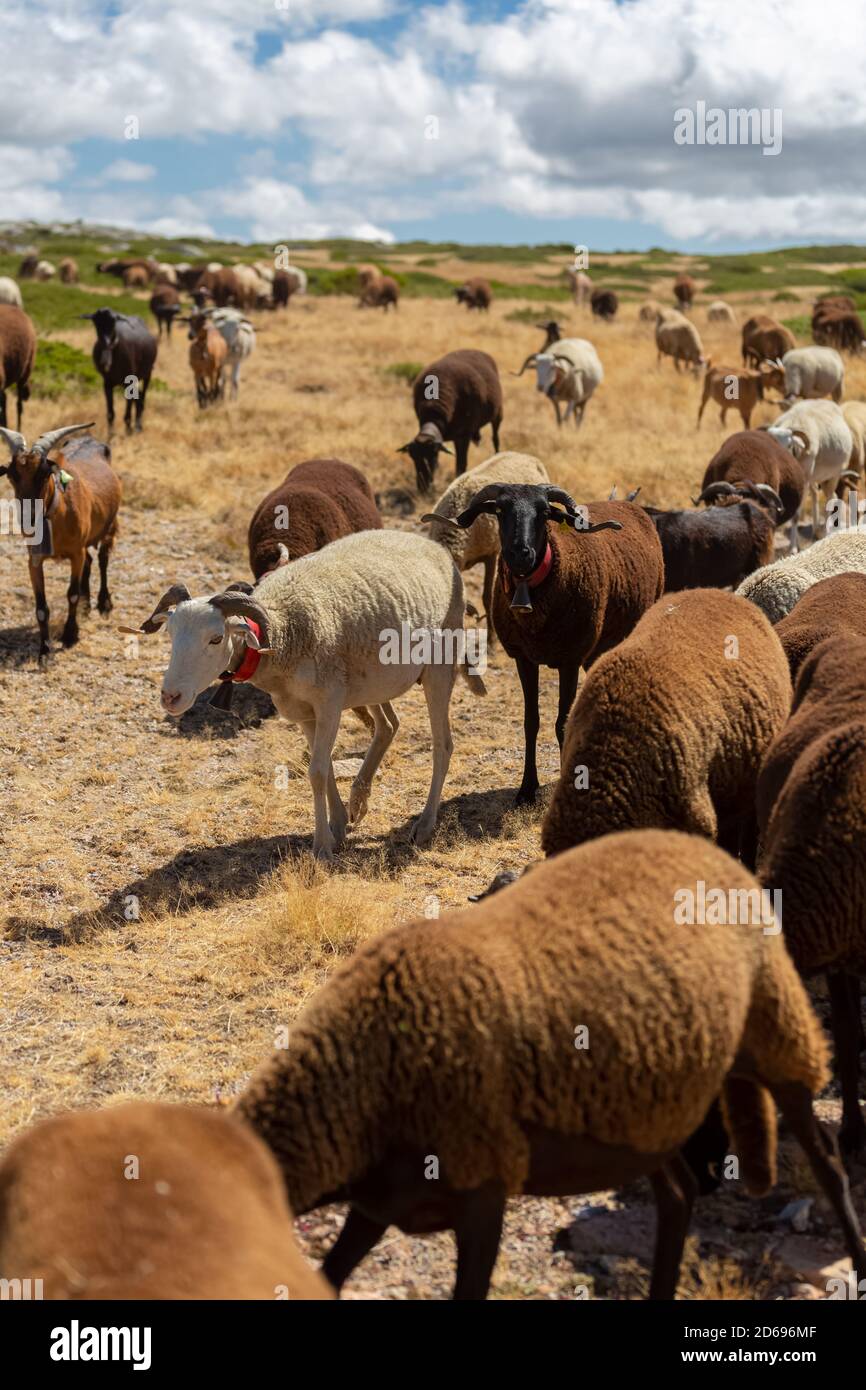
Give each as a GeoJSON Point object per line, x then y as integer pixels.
{"type": "Point", "coordinates": [149, 1201]}
{"type": "Point", "coordinates": [17, 355]}
{"type": "Point", "coordinates": [670, 727]}
{"type": "Point", "coordinates": [811, 805]}
{"type": "Point", "coordinates": [454, 398]}
{"type": "Point", "coordinates": [74, 499]}
{"type": "Point", "coordinates": [136, 278]}
{"type": "Point", "coordinates": [564, 594]}
{"type": "Point", "coordinates": [164, 305]}
{"type": "Point", "coordinates": [475, 294]}
{"type": "Point", "coordinates": [834, 606]}
{"type": "Point", "coordinates": [753, 459]}
{"type": "Point", "coordinates": [839, 328]}
{"type": "Point", "coordinates": [67, 269]}
{"type": "Point", "coordinates": [458, 1039]}
{"type": "Point", "coordinates": [684, 291]}
{"type": "Point", "coordinates": [380, 294]}
{"type": "Point", "coordinates": [765, 340]}
{"type": "Point", "coordinates": [319, 501]}
{"type": "Point", "coordinates": [222, 285]}
{"type": "Point", "coordinates": [604, 304]}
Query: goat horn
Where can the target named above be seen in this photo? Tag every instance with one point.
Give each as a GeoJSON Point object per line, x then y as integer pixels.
{"type": "Point", "coordinates": [17, 443]}
{"type": "Point", "coordinates": [52, 438]}
{"type": "Point", "coordinates": [236, 605]}
{"type": "Point", "coordinates": [178, 593]}
{"type": "Point", "coordinates": [713, 490]}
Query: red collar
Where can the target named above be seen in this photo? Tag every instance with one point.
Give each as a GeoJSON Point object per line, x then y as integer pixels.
{"type": "Point", "coordinates": [533, 580]}
{"type": "Point", "coordinates": [250, 663]}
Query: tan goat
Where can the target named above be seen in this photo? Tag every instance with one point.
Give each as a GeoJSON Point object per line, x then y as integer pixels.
{"type": "Point", "coordinates": [208, 356]}
{"type": "Point", "coordinates": [738, 388]}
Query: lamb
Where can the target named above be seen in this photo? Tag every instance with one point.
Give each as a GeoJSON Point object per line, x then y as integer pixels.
{"type": "Point", "coordinates": [719, 547]}
{"type": "Point", "coordinates": [812, 818]}
{"type": "Point", "coordinates": [684, 291]}
{"type": "Point", "coordinates": [327, 633]}
{"type": "Point", "coordinates": [149, 1201]}
{"type": "Point", "coordinates": [454, 398]}
{"type": "Point", "coordinates": [68, 271]}
{"type": "Point", "coordinates": [552, 334]}
{"type": "Point", "coordinates": [480, 543]}
{"type": "Point", "coordinates": [670, 727]}
{"type": "Point", "coordinates": [123, 354]}
{"type": "Point", "coordinates": [164, 305]}
{"type": "Point", "coordinates": [720, 312]}
{"type": "Point", "coordinates": [380, 294]}
{"type": "Point", "coordinates": [732, 387]}
{"type": "Point", "coordinates": [456, 1039]}
{"type": "Point", "coordinates": [832, 607]}
{"type": "Point", "coordinates": [817, 434]}
{"type": "Point", "coordinates": [570, 373]}
{"type": "Point", "coordinates": [9, 292]}
{"type": "Point", "coordinates": [580, 285]}
{"type": "Point", "coordinates": [45, 270]}
{"type": "Point", "coordinates": [776, 588]}
{"type": "Point", "coordinates": [681, 341]}
{"type": "Point", "coordinates": [208, 355]}
{"type": "Point", "coordinates": [753, 461]}
{"type": "Point", "coordinates": [765, 339]}
{"type": "Point", "coordinates": [17, 355]}
{"type": "Point", "coordinates": [475, 294]}
{"type": "Point", "coordinates": [317, 502]}
{"type": "Point", "coordinates": [586, 594]}
{"type": "Point", "coordinates": [812, 372]}
{"type": "Point", "coordinates": [604, 304]}
{"type": "Point", "coordinates": [240, 337]}
{"type": "Point", "coordinates": [74, 499]}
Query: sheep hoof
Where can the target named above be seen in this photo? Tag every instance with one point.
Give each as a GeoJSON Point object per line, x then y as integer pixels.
{"type": "Point", "coordinates": [70, 636]}
{"type": "Point", "coordinates": [324, 854]}
{"type": "Point", "coordinates": [526, 796]}
{"type": "Point", "coordinates": [358, 799]}
{"type": "Point", "coordinates": [422, 831]}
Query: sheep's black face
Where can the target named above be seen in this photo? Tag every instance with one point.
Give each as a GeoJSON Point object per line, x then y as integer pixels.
{"type": "Point", "coordinates": [424, 453]}
{"type": "Point", "coordinates": [523, 516]}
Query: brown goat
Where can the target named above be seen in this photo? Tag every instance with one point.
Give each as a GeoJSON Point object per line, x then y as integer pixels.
{"type": "Point", "coordinates": [208, 355]}
{"type": "Point", "coordinates": [17, 354]}
{"type": "Point", "coordinates": [149, 1201]}
{"type": "Point", "coordinates": [73, 500]}
{"type": "Point", "coordinates": [684, 291]}
{"type": "Point", "coordinates": [748, 389]}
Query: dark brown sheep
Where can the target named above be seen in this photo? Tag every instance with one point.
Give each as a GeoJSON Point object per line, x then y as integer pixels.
{"type": "Point", "coordinates": [564, 594]}
{"type": "Point", "coordinates": [286, 283]}
{"type": "Point", "coordinates": [318, 501]}
{"type": "Point", "coordinates": [754, 457]}
{"type": "Point", "coordinates": [27, 268]}
{"type": "Point", "coordinates": [454, 397]}
{"type": "Point", "coordinates": [120, 268]}
{"type": "Point", "coordinates": [684, 291]}
{"type": "Point", "coordinates": [475, 294]}
{"type": "Point", "coordinates": [17, 355]}
{"type": "Point", "coordinates": [839, 328]}
{"type": "Point", "coordinates": [149, 1201]}
{"type": "Point", "coordinates": [165, 305]}
{"type": "Point", "coordinates": [604, 304]}
{"type": "Point", "coordinates": [833, 301]}
{"type": "Point", "coordinates": [834, 606]}
{"type": "Point", "coordinates": [811, 806]}
{"type": "Point", "coordinates": [669, 729]}
{"type": "Point", "coordinates": [765, 340]}
{"type": "Point", "coordinates": [716, 548]}
{"type": "Point", "coordinates": [222, 285]}
{"type": "Point", "coordinates": [73, 499]}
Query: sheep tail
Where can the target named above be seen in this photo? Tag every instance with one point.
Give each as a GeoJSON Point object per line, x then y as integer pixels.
{"type": "Point", "coordinates": [472, 678]}
{"type": "Point", "coordinates": [750, 1118]}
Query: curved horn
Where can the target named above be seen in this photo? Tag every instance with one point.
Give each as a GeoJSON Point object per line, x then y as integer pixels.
{"type": "Point", "coordinates": [17, 443]}
{"type": "Point", "coordinates": [178, 593]}
{"type": "Point", "coordinates": [630, 496]}
{"type": "Point", "coordinates": [485, 500]}
{"type": "Point", "coordinates": [445, 520]}
{"type": "Point", "coordinates": [530, 361]}
{"type": "Point", "coordinates": [770, 492]}
{"type": "Point", "coordinates": [558, 494]}
{"type": "Point", "coordinates": [233, 604]}
{"type": "Point", "coordinates": [714, 490]}
{"type": "Point", "coordinates": [52, 438]}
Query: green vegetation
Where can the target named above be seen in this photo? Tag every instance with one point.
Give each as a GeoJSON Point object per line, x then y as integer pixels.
{"type": "Point", "coordinates": [53, 306]}
{"type": "Point", "coordinates": [64, 370]}
{"type": "Point", "coordinates": [403, 371]}
{"type": "Point", "coordinates": [531, 315]}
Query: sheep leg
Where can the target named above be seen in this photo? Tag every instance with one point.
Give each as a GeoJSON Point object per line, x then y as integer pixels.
{"type": "Point", "coordinates": [437, 682]}
{"type": "Point", "coordinates": [478, 1229]}
{"type": "Point", "coordinates": [461, 450]}
{"type": "Point", "coordinates": [845, 1022]}
{"type": "Point", "coordinates": [321, 736]}
{"type": "Point", "coordinates": [555, 404]}
{"type": "Point", "coordinates": [70, 630]}
{"type": "Point", "coordinates": [84, 585]}
{"type": "Point", "coordinates": [567, 691]}
{"type": "Point", "coordinates": [109, 403]}
{"type": "Point", "coordinates": [139, 403]}
{"type": "Point", "coordinates": [357, 1238]}
{"type": "Point", "coordinates": [127, 414]}
{"type": "Point", "coordinates": [495, 429]}
{"type": "Point", "coordinates": [704, 399]}
{"type": "Point", "coordinates": [675, 1189]}
{"type": "Point", "coordinates": [383, 735]}
{"type": "Point", "coordinates": [37, 579]}
{"type": "Point", "coordinates": [103, 598]}
{"type": "Point", "coordinates": [821, 1149]}
{"type": "Point", "coordinates": [528, 673]}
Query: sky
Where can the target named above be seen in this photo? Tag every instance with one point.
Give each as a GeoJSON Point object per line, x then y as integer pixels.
{"type": "Point", "coordinates": [484, 121]}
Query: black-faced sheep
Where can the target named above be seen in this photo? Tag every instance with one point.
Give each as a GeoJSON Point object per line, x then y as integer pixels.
{"type": "Point", "coordinates": [123, 354]}
{"type": "Point", "coordinates": [669, 728]}
{"type": "Point", "coordinates": [454, 398]}
{"type": "Point", "coordinates": [443, 1068]}
{"type": "Point", "coordinates": [832, 607]}
{"type": "Point", "coordinates": [17, 355]}
{"type": "Point", "coordinates": [811, 804]}
{"type": "Point", "coordinates": [564, 594]}
{"type": "Point", "coordinates": [77, 494]}
{"type": "Point", "coordinates": [317, 502]}
{"type": "Point", "coordinates": [149, 1201]}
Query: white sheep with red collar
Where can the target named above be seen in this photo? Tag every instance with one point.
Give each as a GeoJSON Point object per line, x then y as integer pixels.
{"type": "Point", "coordinates": [321, 638]}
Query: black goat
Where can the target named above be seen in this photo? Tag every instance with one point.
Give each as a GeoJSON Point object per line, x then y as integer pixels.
{"type": "Point", "coordinates": [124, 354]}
{"type": "Point", "coordinates": [718, 547]}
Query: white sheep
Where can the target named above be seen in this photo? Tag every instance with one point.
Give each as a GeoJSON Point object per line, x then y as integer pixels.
{"type": "Point", "coordinates": [720, 312]}
{"type": "Point", "coordinates": [777, 588]}
{"type": "Point", "coordinates": [354, 624]}
{"type": "Point", "coordinates": [480, 543]}
{"type": "Point", "coordinates": [45, 270]}
{"type": "Point", "coordinates": [676, 337]}
{"type": "Point", "coordinates": [812, 372]}
{"type": "Point", "coordinates": [9, 292]}
{"type": "Point", "coordinates": [818, 436]}
{"type": "Point", "coordinates": [240, 337]}
{"type": "Point", "coordinates": [570, 371]}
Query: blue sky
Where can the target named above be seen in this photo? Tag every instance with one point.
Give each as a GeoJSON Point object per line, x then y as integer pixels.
{"type": "Point", "coordinates": [291, 119]}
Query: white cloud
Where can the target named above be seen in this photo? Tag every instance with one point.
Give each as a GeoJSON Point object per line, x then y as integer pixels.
{"type": "Point", "coordinates": [277, 211]}
{"type": "Point", "coordinates": [127, 171]}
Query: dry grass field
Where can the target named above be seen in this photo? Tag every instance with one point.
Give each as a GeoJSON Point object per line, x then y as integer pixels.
{"type": "Point", "coordinates": [163, 915]}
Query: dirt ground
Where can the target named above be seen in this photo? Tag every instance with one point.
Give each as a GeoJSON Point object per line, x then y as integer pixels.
{"type": "Point", "coordinates": [164, 918]}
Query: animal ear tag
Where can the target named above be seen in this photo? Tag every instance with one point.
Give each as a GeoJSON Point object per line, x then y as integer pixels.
{"type": "Point", "coordinates": [64, 478]}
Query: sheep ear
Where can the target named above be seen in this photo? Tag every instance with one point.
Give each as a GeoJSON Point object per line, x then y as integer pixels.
{"type": "Point", "coordinates": [4, 469]}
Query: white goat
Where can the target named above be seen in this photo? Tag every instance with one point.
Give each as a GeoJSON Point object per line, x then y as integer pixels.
{"type": "Point", "coordinates": [818, 435]}
{"type": "Point", "coordinates": [812, 372]}
{"type": "Point", "coordinates": [570, 371]}
{"type": "Point", "coordinates": [354, 624]}
{"type": "Point", "coordinates": [240, 337]}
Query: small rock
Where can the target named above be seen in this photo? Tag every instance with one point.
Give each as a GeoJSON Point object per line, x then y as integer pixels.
{"type": "Point", "coordinates": [797, 1214]}
{"type": "Point", "coordinates": [345, 768]}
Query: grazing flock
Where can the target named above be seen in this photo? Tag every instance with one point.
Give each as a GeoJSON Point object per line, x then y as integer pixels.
{"type": "Point", "coordinates": [714, 750]}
